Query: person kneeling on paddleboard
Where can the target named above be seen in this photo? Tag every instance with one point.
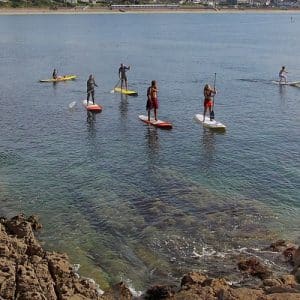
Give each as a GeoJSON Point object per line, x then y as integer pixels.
{"type": "Point", "coordinates": [152, 101]}
{"type": "Point", "coordinates": [209, 94]}
{"type": "Point", "coordinates": [122, 75]}
{"type": "Point", "coordinates": [282, 75]}
{"type": "Point", "coordinates": [91, 88]}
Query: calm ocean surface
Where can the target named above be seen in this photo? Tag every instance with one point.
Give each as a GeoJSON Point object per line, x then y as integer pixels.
{"type": "Point", "coordinates": [127, 201]}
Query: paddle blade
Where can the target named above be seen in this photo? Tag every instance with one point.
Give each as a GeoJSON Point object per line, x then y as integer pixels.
{"type": "Point", "coordinates": [72, 104]}
{"type": "Point", "coordinates": [212, 115]}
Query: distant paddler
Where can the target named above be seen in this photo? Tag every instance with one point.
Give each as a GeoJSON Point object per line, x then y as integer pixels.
{"type": "Point", "coordinates": [283, 75]}
{"type": "Point", "coordinates": [122, 75]}
{"type": "Point", "coordinates": [209, 94]}
{"type": "Point", "coordinates": [91, 88]}
{"type": "Point", "coordinates": [54, 74]}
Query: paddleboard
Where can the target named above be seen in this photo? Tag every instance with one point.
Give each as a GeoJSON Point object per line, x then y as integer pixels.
{"type": "Point", "coordinates": [210, 124]}
{"type": "Point", "coordinates": [125, 92]}
{"type": "Point", "coordinates": [158, 123]}
{"type": "Point", "coordinates": [287, 83]}
{"type": "Point", "coordinates": [92, 107]}
{"type": "Point", "coordinates": [60, 78]}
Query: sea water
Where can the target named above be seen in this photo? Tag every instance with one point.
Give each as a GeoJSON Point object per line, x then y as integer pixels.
{"type": "Point", "coordinates": [131, 202]}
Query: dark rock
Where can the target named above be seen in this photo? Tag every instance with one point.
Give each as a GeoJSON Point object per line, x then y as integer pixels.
{"type": "Point", "coordinates": [288, 253]}
{"type": "Point", "coordinates": [254, 267]}
{"type": "Point", "coordinates": [193, 278]}
{"type": "Point", "coordinates": [158, 292]}
{"type": "Point", "coordinates": [117, 292]}
{"type": "Point", "coordinates": [296, 257]}
{"type": "Point", "coordinates": [277, 246]}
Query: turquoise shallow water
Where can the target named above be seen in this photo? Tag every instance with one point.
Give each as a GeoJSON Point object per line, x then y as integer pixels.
{"type": "Point", "coordinates": [131, 202]}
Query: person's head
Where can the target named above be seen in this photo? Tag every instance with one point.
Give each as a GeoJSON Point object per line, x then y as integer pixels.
{"type": "Point", "coordinates": [283, 67]}
{"type": "Point", "coordinates": [207, 87]}
{"type": "Point", "coordinates": [122, 65]}
{"type": "Point", "coordinates": [153, 83]}
{"type": "Point", "coordinates": [91, 76]}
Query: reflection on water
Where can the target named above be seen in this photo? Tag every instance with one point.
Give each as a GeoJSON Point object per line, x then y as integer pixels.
{"type": "Point", "coordinates": [91, 119]}
{"type": "Point", "coordinates": [123, 107]}
{"type": "Point", "coordinates": [153, 142]}
{"type": "Point", "coordinates": [208, 141]}
{"type": "Point", "coordinates": [282, 92]}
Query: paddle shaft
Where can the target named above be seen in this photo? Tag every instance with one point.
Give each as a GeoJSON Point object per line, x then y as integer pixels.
{"type": "Point", "coordinates": [215, 79]}
{"type": "Point", "coordinates": [116, 84]}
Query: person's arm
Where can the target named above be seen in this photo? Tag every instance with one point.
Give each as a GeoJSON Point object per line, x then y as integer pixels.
{"type": "Point", "coordinates": [120, 73]}
{"type": "Point", "coordinates": [95, 84]}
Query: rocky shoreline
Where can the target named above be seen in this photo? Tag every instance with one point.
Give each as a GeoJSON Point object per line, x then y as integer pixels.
{"type": "Point", "coordinates": [27, 271]}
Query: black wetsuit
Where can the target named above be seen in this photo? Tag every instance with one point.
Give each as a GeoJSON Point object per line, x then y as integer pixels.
{"type": "Point", "coordinates": [122, 72]}
{"type": "Point", "coordinates": [54, 74]}
{"type": "Point", "coordinates": [90, 84]}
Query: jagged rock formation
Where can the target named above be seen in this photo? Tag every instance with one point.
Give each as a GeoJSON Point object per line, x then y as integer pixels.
{"type": "Point", "coordinates": [28, 272]}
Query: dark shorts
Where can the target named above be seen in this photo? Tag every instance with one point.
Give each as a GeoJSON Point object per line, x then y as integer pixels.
{"type": "Point", "coordinates": [208, 103]}
{"type": "Point", "coordinates": [152, 104]}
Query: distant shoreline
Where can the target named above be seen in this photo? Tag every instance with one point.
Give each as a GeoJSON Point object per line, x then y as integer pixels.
{"type": "Point", "coordinates": [107, 10]}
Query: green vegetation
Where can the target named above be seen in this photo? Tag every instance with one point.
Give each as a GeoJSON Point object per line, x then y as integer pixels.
{"type": "Point", "coordinates": [34, 3]}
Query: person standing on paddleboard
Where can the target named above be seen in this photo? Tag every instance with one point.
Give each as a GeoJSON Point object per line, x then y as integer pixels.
{"type": "Point", "coordinates": [54, 74]}
{"type": "Point", "coordinates": [152, 101]}
{"type": "Point", "coordinates": [282, 75]}
{"type": "Point", "coordinates": [209, 94]}
{"type": "Point", "coordinates": [91, 88]}
{"type": "Point", "coordinates": [122, 75]}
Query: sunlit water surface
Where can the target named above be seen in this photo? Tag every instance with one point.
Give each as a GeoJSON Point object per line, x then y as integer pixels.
{"type": "Point", "coordinates": [136, 203]}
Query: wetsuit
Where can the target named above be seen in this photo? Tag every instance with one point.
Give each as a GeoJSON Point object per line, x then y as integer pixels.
{"type": "Point", "coordinates": [91, 89]}
{"type": "Point", "coordinates": [122, 72]}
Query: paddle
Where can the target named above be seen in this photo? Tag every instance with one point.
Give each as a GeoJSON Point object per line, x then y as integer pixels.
{"type": "Point", "coordinates": [72, 104]}
{"type": "Point", "coordinates": [113, 90]}
{"type": "Point", "coordinates": [212, 113]}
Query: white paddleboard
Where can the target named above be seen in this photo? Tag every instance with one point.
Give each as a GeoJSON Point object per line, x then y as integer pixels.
{"type": "Point", "coordinates": [210, 124]}
{"type": "Point", "coordinates": [287, 83]}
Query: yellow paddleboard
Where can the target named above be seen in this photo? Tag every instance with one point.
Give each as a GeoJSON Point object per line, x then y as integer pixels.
{"type": "Point", "coordinates": [125, 92]}
{"type": "Point", "coordinates": [60, 78]}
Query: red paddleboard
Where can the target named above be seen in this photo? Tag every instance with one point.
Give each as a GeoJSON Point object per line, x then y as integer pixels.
{"type": "Point", "coordinates": [158, 123]}
{"type": "Point", "coordinates": [92, 107]}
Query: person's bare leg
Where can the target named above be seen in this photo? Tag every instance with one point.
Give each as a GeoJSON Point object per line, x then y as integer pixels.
{"type": "Point", "coordinates": [155, 114]}
{"type": "Point", "coordinates": [204, 113]}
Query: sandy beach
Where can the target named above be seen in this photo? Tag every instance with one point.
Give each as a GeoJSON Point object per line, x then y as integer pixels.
{"type": "Point", "coordinates": [107, 10]}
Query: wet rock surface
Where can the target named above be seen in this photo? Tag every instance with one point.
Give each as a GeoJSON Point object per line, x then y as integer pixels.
{"type": "Point", "coordinates": [27, 271]}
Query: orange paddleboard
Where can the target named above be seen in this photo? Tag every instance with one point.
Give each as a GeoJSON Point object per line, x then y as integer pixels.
{"type": "Point", "coordinates": [158, 123]}
{"type": "Point", "coordinates": [96, 108]}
